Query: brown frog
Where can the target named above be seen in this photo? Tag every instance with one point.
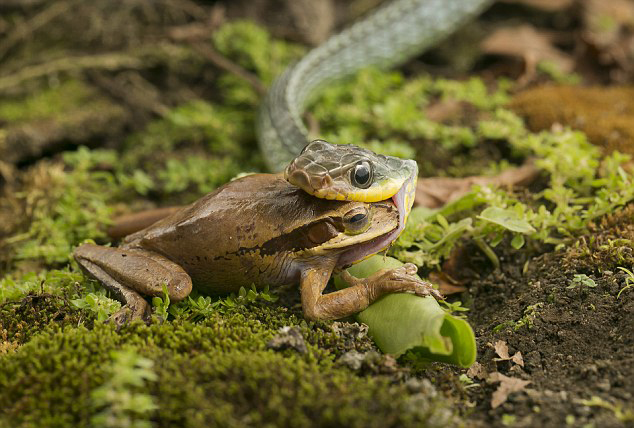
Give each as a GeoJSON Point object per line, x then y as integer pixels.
{"type": "Point", "coordinates": [259, 230]}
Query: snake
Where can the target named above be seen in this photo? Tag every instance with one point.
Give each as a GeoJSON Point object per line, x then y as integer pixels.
{"type": "Point", "coordinates": [387, 37]}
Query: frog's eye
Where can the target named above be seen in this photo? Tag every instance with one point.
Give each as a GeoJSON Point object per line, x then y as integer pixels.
{"type": "Point", "coordinates": [356, 220]}
{"type": "Point", "coordinates": [361, 175]}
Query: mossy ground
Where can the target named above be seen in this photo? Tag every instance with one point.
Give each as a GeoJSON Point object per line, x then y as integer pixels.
{"type": "Point", "coordinates": [188, 129]}
{"type": "Point", "coordinates": [215, 372]}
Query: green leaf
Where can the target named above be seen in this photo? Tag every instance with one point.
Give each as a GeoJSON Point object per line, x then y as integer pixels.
{"type": "Point", "coordinates": [518, 241]}
{"type": "Point", "coordinates": [400, 322]}
{"type": "Point", "coordinates": [508, 219]}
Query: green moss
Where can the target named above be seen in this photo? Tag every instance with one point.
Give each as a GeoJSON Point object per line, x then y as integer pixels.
{"type": "Point", "coordinates": [607, 246]}
{"type": "Point", "coordinates": [65, 207]}
{"type": "Point", "coordinates": [253, 48]}
{"type": "Point", "coordinates": [384, 105]}
{"type": "Point", "coordinates": [218, 372]}
{"type": "Point", "coordinates": [54, 281]}
{"type": "Point", "coordinates": [52, 102]}
{"type": "Point", "coordinates": [604, 114]}
{"type": "Point", "coordinates": [122, 401]}
{"type": "Point", "coordinates": [21, 320]}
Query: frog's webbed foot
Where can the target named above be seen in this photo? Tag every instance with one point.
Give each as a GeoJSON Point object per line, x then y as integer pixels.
{"type": "Point", "coordinates": [130, 312]}
{"type": "Point", "coordinates": [401, 279]}
{"type": "Point", "coordinates": [129, 274]}
{"type": "Point", "coordinates": [361, 294]}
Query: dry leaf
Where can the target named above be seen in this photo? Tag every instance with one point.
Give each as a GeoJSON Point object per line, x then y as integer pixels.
{"type": "Point", "coordinates": [607, 27]}
{"type": "Point", "coordinates": [477, 371]}
{"type": "Point", "coordinates": [502, 349]}
{"type": "Point", "coordinates": [517, 359]}
{"type": "Point", "coordinates": [446, 284]}
{"type": "Point", "coordinates": [434, 192]}
{"type": "Point", "coordinates": [604, 21]}
{"type": "Point", "coordinates": [507, 386]}
{"type": "Point", "coordinates": [529, 44]}
{"type": "Point", "coordinates": [443, 110]}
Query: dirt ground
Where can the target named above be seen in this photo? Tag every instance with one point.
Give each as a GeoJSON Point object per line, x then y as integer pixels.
{"type": "Point", "coordinates": [578, 344]}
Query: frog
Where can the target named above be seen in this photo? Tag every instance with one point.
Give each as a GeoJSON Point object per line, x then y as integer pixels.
{"type": "Point", "coordinates": [259, 230]}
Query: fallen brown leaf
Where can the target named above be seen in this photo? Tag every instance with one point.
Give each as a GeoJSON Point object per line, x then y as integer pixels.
{"type": "Point", "coordinates": [607, 27]}
{"type": "Point", "coordinates": [446, 284]}
{"type": "Point", "coordinates": [508, 385]}
{"type": "Point", "coordinates": [529, 44]}
{"type": "Point", "coordinates": [502, 349]}
{"type": "Point", "coordinates": [518, 359]}
{"type": "Point", "coordinates": [477, 371]}
{"type": "Point", "coordinates": [434, 192]}
{"type": "Point", "coordinates": [443, 110]}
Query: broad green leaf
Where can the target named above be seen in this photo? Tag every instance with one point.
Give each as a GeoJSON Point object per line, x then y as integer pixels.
{"type": "Point", "coordinates": [508, 219]}
{"type": "Point", "coordinates": [400, 322]}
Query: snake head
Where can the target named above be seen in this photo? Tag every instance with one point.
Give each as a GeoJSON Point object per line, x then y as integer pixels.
{"type": "Point", "coordinates": [350, 173]}
{"type": "Point", "coordinates": [346, 172]}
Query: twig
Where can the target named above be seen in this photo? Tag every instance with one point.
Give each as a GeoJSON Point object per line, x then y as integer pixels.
{"type": "Point", "coordinates": [32, 25]}
{"type": "Point", "coordinates": [133, 97]}
{"type": "Point", "coordinates": [107, 61]}
{"type": "Point", "coordinates": [229, 66]}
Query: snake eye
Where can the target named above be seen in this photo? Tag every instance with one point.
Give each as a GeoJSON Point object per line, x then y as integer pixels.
{"type": "Point", "coordinates": [361, 175]}
{"type": "Point", "coordinates": [357, 221]}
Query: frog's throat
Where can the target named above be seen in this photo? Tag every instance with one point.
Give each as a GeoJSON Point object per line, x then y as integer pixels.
{"type": "Point", "coordinates": [404, 200]}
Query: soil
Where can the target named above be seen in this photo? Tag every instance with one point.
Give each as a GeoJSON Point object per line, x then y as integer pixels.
{"type": "Point", "coordinates": [579, 344]}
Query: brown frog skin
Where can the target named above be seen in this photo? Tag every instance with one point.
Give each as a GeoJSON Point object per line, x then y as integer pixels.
{"type": "Point", "coordinates": [255, 230]}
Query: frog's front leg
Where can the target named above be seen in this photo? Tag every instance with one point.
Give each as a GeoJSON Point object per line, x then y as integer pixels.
{"type": "Point", "coordinates": [131, 273]}
{"type": "Point", "coordinates": [361, 294]}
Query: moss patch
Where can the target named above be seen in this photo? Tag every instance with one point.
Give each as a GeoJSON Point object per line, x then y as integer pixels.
{"type": "Point", "coordinates": [607, 247]}
{"type": "Point", "coordinates": [604, 114]}
{"type": "Point", "coordinates": [218, 372]}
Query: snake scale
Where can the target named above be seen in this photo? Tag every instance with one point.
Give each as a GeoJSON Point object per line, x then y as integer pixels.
{"type": "Point", "coordinates": [386, 38]}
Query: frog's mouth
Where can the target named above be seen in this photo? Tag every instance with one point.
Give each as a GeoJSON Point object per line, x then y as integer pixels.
{"type": "Point", "coordinates": [403, 200]}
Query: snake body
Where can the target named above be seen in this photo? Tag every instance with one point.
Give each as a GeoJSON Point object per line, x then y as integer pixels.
{"type": "Point", "coordinates": [387, 37]}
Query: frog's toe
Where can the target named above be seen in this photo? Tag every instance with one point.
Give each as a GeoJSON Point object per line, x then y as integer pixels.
{"type": "Point", "coordinates": [424, 289]}
{"type": "Point", "coordinates": [139, 310]}
{"type": "Point", "coordinates": [409, 268]}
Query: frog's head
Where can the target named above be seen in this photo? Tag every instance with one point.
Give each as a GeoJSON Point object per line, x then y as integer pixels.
{"type": "Point", "coordinates": [352, 231]}
{"type": "Point", "coordinates": [351, 173]}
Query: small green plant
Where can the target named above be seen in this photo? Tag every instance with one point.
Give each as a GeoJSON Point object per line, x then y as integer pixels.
{"type": "Point", "coordinates": [198, 308]}
{"type": "Point", "coordinates": [194, 308]}
{"type": "Point", "coordinates": [552, 70]}
{"type": "Point", "coordinates": [245, 296]}
{"type": "Point", "coordinates": [54, 281]}
{"type": "Point", "coordinates": [429, 237]}
{"type": "Point", "coordinates": [121, 401]}
{"type": "Point", "coordinates": [582, 280]}
{"type": "Point", "coordinates": [530, 313]}
{"type": "Point", "coordinates": [629, 280]}
{"type": "Point", "coordinates": [467, 382]}
{"type": "Point", "coordinates": [623, 415]}
{"type": "Point", "coordinates": [509, 420]}
{"type": "Point", "coordinates": [453, 306]}
{"type": "Point", "coordinates": [161, 305]}
{"type": "Point", "coordinates": [98, 303]}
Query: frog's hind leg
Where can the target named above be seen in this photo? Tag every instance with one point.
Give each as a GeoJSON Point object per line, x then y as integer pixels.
{"type": "Point", "coordinates": [131, 273]}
